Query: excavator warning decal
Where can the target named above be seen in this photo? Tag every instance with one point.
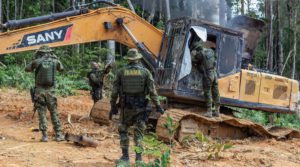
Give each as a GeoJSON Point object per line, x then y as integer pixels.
{"type": "Point", "coordinates": [48, 36]}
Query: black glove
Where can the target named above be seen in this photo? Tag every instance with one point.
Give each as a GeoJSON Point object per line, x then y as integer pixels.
{"type": "Point", "coordinates": [114, 109]}
{"type": "Point", "coordinates": [160, 109]}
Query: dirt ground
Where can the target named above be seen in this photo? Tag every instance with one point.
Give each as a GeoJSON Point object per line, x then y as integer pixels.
{"type": "Point", "coordinates": [19, 146]}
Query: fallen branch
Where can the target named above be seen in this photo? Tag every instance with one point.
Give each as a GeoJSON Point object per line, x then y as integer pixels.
{"type": "Point", "coordinates": [69, 120]}
{"type": "Point", "coordinates": [3, 65]}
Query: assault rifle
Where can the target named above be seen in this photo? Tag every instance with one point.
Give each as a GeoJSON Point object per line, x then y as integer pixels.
{"type": "Point", "coordinates": [33, 100]}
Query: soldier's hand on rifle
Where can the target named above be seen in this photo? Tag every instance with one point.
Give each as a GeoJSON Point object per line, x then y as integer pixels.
{"type": "Point", "coordinates": [160, 109]}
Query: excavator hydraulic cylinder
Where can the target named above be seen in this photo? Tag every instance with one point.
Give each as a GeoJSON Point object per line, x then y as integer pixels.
{"type": "Point", "coordinates": [12, 24]}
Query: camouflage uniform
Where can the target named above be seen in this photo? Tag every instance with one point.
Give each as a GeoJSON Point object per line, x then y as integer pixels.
{"type": "Point", "coordinates": [96, 82]}
{"type": "Point", "coordinates": [207, 59]}
{"type": "Point", "coordinates": [45, 67]}
{"type": "Point", "coordinates": [133, 83]}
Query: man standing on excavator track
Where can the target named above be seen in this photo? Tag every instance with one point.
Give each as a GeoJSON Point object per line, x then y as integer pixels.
{"type": "Point", "coordinates": [45, 66]}
{"type": "Point", "coordinates": [96, 77]}
{"type": "Point", "coordinates": [203, 53]}
{"type": "Point", "coordinates": [133, 83]}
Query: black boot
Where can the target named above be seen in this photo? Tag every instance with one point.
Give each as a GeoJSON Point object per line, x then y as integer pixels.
{"type": "Point", "coordinates": [59, 137]}
{"type": "Point", "coordinates": [208, 114]}
{"type": "Point", "coordinates": [124, 158]}
{"type": "Point", "coordinates": [217, 111]}
{"type": "Point", "coordinates": [44, 136]}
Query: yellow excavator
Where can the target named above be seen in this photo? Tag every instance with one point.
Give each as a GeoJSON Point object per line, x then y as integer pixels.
{"type": "Point", "coordinates": [167, 55]}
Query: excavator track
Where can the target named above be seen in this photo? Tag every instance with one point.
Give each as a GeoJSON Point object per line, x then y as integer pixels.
{"type": "Point", "coordinates": [191, 121]}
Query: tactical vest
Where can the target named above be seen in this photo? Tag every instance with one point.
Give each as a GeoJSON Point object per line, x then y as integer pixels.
{"type": "Point", "coordinates": [45, 73]}
{"type": "Point", "coordinates": [133, 81]}
{"type": "Point", "coordinates": [98, 74]}
{"type": "Point", "coordinates": [209, 59]}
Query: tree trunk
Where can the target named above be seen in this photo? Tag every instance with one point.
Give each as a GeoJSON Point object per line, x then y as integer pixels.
{"type": "Point", "coordinates": [53, 6]}
{"type": "Point", "coordinates": [285, 63]}
{"type": "Point", "coordinates": [1, 18]}
{"type": "Point", "coordinates": [160, 9]}
{"type": "Point", "coordinates": [131, 6]}
{"type": "Point", "coordinates": [222, 13]}
{"type": "Point", "coordinates": [143, 8]}
{"type": "Point", "coordinates": [111, 54]}
{"type": "Point", "coordinates": [279, 41]}
{"type": "Point", "coordinates": [168, 12]}
{"type": "Point", "coordinates": [7, 10]}
{"type": "Point", "coordinates": [112, 49]}
{"type": "Point", "coordinates": [269, 13]}
{"type": "Point", "coordinates": [16, 9]}
{"type": "Point", "coordinates": [21, 9]}
{"type": "Point", "coordinates": [248, 5]}
{"type": "Point", "coordinates": [242, 7]}
{"type": "Point", "coordinates": [295, 42]}
{"type": "Point", "coordinates": [152, 13]}
{"type": "Point", "coordinates": [229, 9]}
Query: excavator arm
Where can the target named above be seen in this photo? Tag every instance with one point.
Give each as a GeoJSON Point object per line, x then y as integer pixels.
{"type": "Point", "coordinates": [94, 25]}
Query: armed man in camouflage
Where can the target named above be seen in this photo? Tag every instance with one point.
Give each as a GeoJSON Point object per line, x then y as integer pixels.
{"type": "Point", "coordinates": [205, 55]}
{"type": "Point", "coordinates": [45, 66]}
{"type": "Point", "coordinates": [96, 77]}
{"type": "Point", "coordinates": [133, 83]}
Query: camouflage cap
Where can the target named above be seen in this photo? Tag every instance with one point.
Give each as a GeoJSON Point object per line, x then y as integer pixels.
{"type": "Point", "coordinates": [94, 64]}
{"type": "Point", "coordinates": [133, 54]}
{"type": "Point", "coordinates": [197, 44]}
{"type": "Point", "coordinates": [44, 49]}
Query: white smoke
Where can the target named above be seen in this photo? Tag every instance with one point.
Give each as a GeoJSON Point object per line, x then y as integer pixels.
{"type": "Point", "coordinates": [215, 11]}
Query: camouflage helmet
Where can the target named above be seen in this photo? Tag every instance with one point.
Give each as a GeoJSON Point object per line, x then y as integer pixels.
{"type": "Point", "coordinates": [44, 49]}
{"type": "Point", "coordinates": [133, 54]}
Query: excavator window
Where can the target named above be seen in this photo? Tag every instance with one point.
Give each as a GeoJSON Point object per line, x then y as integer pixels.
{"type": "Point", "coordinates": [228, 55]}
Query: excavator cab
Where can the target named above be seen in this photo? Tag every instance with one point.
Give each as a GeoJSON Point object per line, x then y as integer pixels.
{"type": "Point", "coordinates": [178, 76]}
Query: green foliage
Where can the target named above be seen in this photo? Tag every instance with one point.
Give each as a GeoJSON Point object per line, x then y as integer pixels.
{"type": "Point", "coordinates": [282, 120]}
{"type": "Point", "coordinates": [152, 147]}
{"type": "Point", "coordinates": [253, 115]}
{"type": "Point", "coordinates": [14, 76]}
{"type": "Point", "coordinates": [211, 148]}
{"type": "Point", "coordinates": [123, 164]}
{"type": "Point", "coordinates": [171, 127]}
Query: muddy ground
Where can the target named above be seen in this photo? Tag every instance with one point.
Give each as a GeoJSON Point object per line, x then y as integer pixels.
{"type": "Point", "coordinates": [19, 146]}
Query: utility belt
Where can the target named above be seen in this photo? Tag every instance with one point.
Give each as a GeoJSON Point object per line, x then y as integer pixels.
{"type": "Point", "coordinates": [134, 101]}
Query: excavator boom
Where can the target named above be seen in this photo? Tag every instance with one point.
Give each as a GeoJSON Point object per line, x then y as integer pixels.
{"type": "Point", "coordinates": [90, 26]}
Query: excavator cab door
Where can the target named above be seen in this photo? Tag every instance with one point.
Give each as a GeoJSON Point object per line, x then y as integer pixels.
{"type": "Point", "coordinates": [172, 49]}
